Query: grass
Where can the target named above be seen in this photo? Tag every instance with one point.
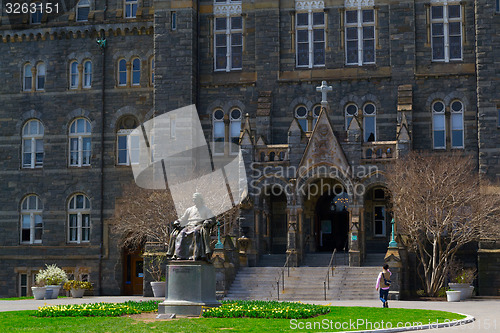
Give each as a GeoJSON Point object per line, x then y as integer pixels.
{"type": "Point", "coordinates": [26, 321]}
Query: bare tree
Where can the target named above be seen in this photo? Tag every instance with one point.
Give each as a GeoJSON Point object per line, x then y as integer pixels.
{"type": "Point", "coordinates": [143, 215]}
{"type": "Point", "coordinates": [439, 206]}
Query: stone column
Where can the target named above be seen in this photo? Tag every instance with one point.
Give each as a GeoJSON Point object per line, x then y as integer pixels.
{"type": "Point", "coordinates": [291, 248]}
{"type": "Point", "coordinates": [80, 76]}
{"type": "Point", "coordinates": [353, 236]}
{"type": "Point", "coordinates": [129, 73]}
{"type": "Point", "coordinates": [300, 221]}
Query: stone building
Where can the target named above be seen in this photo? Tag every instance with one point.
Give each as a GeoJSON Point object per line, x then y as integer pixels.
{"type": "Point", "coordinates": [403, 75]}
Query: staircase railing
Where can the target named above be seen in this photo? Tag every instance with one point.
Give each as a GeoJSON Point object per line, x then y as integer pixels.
{"type": "Point", "coordinates": [326, 283]}
{"type": "Point", "coordinates": [281, 275]}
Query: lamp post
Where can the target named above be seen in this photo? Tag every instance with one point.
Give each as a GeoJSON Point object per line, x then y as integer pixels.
{"type": "Point", "coordinates": [219, 244]}
{"type": "Point", "coordinates": [393, 242]}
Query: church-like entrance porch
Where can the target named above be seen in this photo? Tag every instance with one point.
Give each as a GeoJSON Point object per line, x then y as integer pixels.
{"type": "Point", "coordinates": [326, 217]}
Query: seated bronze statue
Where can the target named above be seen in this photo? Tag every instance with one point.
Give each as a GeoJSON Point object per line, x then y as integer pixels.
{"type": "Point", "coordinates": [190, 237]}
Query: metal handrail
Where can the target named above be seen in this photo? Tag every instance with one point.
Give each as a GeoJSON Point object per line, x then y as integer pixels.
{"type": "Point", "coordinates": [281, 275]}
{"type": "Point", "coordinates": [326, 283]}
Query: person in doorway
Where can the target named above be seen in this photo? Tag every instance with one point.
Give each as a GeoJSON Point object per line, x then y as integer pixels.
{"type": "Point", "coordinates": [384, 284]}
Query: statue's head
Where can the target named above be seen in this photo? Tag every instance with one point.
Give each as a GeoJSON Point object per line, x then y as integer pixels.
{"type": "Point", "coordinates": [198, 199]}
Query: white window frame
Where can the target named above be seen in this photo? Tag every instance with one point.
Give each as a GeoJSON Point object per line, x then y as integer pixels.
{"type": "Point", "coordinates": [228, 32]}
{"type": "Point", "coordinates": [82, 4]}
{"type": "Point", "coordinates": [216, 121]}
{"type": "Point", "coordinates": [87, 74]}
{"type": "Point", "coordinates": [234, 124]}
{"type": "Point", "coordinates": [39, 76]}
{"type": "Point", "coordinates": [27, 75]}
{"type": "Point", "coordinates": [74, 73]}
{"type": "Point", "coordinates": [359, 25]}
{"type": "Point", "coordinates": [33, 139]}
{"type": "Point", "coordinates": [446, 31]}
{"type": "Point", "coordinates": [21, 285]}
{"type": "Point", "coordinates": [80, 136]}
{"type": "Point", "coordinates": [365, 117]}
{"type": "Point", "coordinates": [80, 214]}
{"type": "Point", "coordinates": [32, 213]}
{"type": "Point", "coordinates": [310, 38]}
{"type": "Point", "coordinates": [134, 71]}
{"type": "Point", "coordinates": [348, 117]}
{"type": "Point", "coordinates": [435, 114]}
{"type": "Point", "coordinates": [462, 127]}
{"type": "Point", "coordinates": [133, 10]}
{"type": "Point", "coordinates": [384, 222]}
{"type": "Point", "coordinates": [132, 148]}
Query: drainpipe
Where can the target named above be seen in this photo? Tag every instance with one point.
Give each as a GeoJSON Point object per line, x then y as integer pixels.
{"type": "Point", "coordinates": [101, 41]}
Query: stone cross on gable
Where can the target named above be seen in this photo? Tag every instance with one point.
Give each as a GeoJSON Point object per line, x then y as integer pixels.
{"type": "Point", "coordinates": [324, 89]}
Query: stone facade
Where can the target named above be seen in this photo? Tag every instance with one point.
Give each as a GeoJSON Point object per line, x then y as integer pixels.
{"type": "Point", "coordinates": [283, 214]}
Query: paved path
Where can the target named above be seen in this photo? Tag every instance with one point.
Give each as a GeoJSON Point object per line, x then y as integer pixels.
{"type": "Point", "coordinates": [486, 311]}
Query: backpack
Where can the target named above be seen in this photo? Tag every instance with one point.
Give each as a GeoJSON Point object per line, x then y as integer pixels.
{"type": "Point", "coordinates": [387, 282]}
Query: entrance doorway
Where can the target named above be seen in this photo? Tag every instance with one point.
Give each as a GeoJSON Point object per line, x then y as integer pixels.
{"type": "Point", "coordinates": [332, 222]}
{"type": "Point", "coordinates": [278, 223]}
{"type": "Point", "coordinates": [133, 271]}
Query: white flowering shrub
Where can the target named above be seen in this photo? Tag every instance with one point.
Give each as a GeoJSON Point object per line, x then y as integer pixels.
{"type": "Point", "coordinates": [52, 275]}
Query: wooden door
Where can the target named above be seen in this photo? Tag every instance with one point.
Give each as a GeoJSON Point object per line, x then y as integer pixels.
{"type": "Point", "coordinates": [133, 271]}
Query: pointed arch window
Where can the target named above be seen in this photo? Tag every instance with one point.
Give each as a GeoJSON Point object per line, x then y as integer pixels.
{"type": "Point", "coordinates": [33, 132]}
{"type": "Point", "coordinates": [439, 125]}
{"type": "Point", "coordinates": [79, 143]}
{"type": "Point", "coordinates": [127, 145]}
{"type": "Point", "coordinates": [369, 122]}
{"type": "Point", "coordinates": [235, 129]}
{"type": "Point", "coordinates": [83, 10]}
{"type": "Point", "coordinates": [218, 132]}
{"type": "Point", "coordinates": [31, 220]}
{"type": "Point", "coordinates": [457, 124]}
{"type": "Point", "coordinates": [351, 111]}
{"type": "Point", "coordinates": [79, 219]}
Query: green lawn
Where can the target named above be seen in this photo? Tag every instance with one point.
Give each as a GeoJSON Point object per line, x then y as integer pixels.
{"type": "Point", "coordinates": [26, 322]}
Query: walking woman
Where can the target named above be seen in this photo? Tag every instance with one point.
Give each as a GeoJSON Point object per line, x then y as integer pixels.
{"type": "Point", "coordinates": [384, 283]}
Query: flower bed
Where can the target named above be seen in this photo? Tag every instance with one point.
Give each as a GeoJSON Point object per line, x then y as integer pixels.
{"type": "Point", "coordinates": [97, 309]}
{"type": "Point", "coordinates": [265, 309]}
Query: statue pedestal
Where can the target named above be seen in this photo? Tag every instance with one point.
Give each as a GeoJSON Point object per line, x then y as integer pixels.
{"type": "Point", "coordinates": [190, 286]}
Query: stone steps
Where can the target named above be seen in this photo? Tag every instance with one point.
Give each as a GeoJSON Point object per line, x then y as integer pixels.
{"type": "Point", "coordinates": [305, 283]}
